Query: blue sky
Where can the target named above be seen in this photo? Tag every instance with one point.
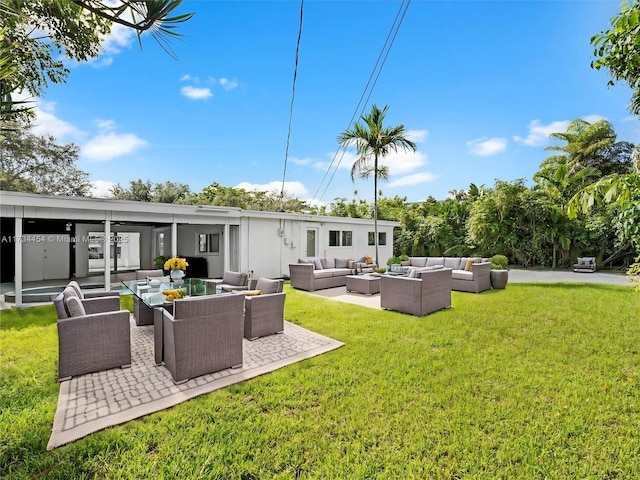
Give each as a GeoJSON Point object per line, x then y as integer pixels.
{"type": "Point", "coordinates": [478, 85]}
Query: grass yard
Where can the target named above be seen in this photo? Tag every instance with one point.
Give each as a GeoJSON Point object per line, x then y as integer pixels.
{"type": "Point", "coordinates": [535, 381]}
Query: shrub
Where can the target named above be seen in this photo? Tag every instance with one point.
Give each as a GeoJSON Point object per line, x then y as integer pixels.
{"type": "Point", "coordinates": [499, 262]}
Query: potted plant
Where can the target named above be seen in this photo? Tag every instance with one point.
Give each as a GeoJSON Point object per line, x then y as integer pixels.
{"type": "Point", "coordinates": [499, 271]}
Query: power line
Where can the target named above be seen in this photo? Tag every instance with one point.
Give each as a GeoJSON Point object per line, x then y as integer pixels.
{"type": "Point", "coordinates": [293, 95]}
{"type": "Point", "coordinates": [391, 36]}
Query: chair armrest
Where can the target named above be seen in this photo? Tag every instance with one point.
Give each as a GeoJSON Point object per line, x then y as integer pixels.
{"type": "Point", "coordinates": [101, 304]}
{"type": "Point", "coordinates": [100, 294]}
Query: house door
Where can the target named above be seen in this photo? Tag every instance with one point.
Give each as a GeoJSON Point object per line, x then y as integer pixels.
{"type": "Point", "coordinates": [312, 242]}
{"type": "Point", "coordinates": [47, 260]}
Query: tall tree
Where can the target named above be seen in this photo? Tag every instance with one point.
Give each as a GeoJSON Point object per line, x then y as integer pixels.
{"type": "Point", "coordinates": [29, 163]}
{"type": "Point", "coordinates": [618, 50]}
{"type": "Point", "coordinates": [373, 142]}
{"type": "Point", "coordinates": [591, 145]}
{"type": "Point", "coordinates": [37, 34]}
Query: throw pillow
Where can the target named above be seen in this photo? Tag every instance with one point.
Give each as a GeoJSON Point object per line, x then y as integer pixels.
{"type": "Point", "coordinates": [330, 263]}
{"type": "Point", "coordinates": [233, 278]}
{"type": "Point", "coordinates": [251, 293]}
{"type": "Point", "coordinates": [75, 307]}
{"type": "Point", "coordinates": [368, 259]}
{"type": "Point", "coordinates": [266, 285]}
{"type": "Point", "coordinates": [73, 284]}
{"type": "Point", "coordinates": [318, 263]}
{"type": "Point", "coordinates": [469, 264]}
{"type": "Point", "coordinates": [340, 263]}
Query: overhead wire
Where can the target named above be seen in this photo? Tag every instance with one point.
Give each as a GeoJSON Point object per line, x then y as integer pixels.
{"type": "Point", "coordinates": [384, 54]}
{"type": "Point", "coordinates": [293, 95]}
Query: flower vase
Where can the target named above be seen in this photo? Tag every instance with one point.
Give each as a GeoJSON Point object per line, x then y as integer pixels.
{"type": "Point", "coordinates": [176, 275]}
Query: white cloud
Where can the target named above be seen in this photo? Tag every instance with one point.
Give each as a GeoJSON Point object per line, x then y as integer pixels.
{"type": "Point", "coordinates": [111, 145]}
{"type": "Point", "coordinates": [108, 144]}
{"type": "Point", "coordinates": [186, 77]}
{"type": "Point", "coordinates": [196, 93]}
{"type": "Point", "coordinates": [119, 38]}
{"type": "Point", "coordinates": [417, 136]}
{"type": "Point", "coordinates": [539, 134]}
{"type": "Point", "coordinates": [485, 147]}
{"type": "Point", "coordinates": [228, 84]}
{"type": "Point", "coordinates": [404, 161]}
{"type": "Point", "coordinates": [398, 162]}
{"type": "Point", "coordinates": [100, 188]}
{"type": "Point", "coordinates": [594, 118]}
{"type": "Point", "coordinates": [296, 189]}
{"type": "Point", "coordinates": [413, 179]}
{"type": "Point", "coordinates": [302, 161]}
{"type": "Point", "coordinates": [47, 123]}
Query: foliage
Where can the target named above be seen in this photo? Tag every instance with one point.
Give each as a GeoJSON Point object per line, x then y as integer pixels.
{"type": "Point", "coordinates": [167, 192]}
{"type": "Point", "coordinates": [592, 146]}
{"type": "Point", "coordinates": [499, 262]}
{"type": "Point", "coordinates": [38, 34]}
{"type": "Point", "coordinates": [34, 164]}
{"type": "Point", "coordinates": [373, 142]}
{"type": "Point", "coordinates": [618, 50]}
{"type": "Point", "coordinates": [634, 273]}
{"type": "Point", "coordinates": [159, 262]}
{"type": "Point", "coordinates": [538, 381]}
{"type": "Point", "coordinates": [216, 194]}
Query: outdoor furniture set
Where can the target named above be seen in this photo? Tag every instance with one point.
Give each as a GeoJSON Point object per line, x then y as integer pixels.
{"type": "Point", "coordinates": [420, 285]}
{"type": "Point", "coordinates": [193, 336]}
{"type": "Point", "coordinates": [313, 273]}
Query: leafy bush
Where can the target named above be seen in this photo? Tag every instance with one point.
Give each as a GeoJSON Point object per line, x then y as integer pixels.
{"type": "Point", "coordinates": [499, 262]}
{"type": "Point", "coordinates": [160, 261]}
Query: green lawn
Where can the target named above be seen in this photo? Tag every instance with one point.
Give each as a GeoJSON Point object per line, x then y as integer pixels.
{"type": "Point", "coordinates": [535, 381]}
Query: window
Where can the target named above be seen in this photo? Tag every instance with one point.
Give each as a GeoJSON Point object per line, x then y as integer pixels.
{"type": "Point", "coordinates": [208, 243]}
{"type": "Point", "coordinates": [334, 238]}
{"type": "Point", "coordinates": [161, 244]}
{"type": "Point", "coordinates": [339, 238]}
{"type": "Point", "coordinates": [347, 238]}
{"type": "Point", "coordinates": [382, 238]}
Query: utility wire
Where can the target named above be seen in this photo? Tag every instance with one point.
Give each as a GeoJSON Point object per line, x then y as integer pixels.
{"type": "Point", "coordinates": [293, 95]}
{"type": "Point", "coordinates": [391, 36]}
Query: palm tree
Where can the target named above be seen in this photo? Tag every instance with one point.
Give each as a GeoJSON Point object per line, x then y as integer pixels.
{"type": "Point", "coordinates": [373, 142]}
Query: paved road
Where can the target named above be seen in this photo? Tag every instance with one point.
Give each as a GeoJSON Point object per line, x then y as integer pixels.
{"type": "Point", "coordinates": [537, 276]}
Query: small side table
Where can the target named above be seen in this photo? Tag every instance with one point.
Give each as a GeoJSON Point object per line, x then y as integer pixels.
{"type": "Point", "coordinates": [365, 284]}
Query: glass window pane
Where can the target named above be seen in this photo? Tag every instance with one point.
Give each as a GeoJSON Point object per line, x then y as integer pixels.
{"type": "Point", "coordinates": [346, 238]}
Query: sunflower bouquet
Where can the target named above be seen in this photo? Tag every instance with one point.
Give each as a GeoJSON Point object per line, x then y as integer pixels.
{"type": "Point", "coordinates": [176, 263]}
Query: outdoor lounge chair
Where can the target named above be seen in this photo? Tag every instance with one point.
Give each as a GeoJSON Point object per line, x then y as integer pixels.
{"type": "Point", "coordinates": [429, 292]}
{"type": "Point", "coordinates": [204, 335]}
{"type": "Point", "coordinates": [93, 334]}
{"type": "Point", "coordinates": [585, 264]}
{"type": "Point", "coordinates": [264, 313]}
{"type": "Point", "coordinates": [232, 281]}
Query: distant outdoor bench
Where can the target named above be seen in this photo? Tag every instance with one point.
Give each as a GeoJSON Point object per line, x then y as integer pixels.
{"type": "Point", "coordinates": [585, 264]}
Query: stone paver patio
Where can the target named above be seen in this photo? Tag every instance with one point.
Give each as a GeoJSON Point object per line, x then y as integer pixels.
{"type": "Point", "coordinates": [95, 401]}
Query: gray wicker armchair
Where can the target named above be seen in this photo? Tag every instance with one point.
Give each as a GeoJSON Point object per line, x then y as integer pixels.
{"type": "Point", "coordinates": [204, 335]}
{"type": "Point", "coordinates": [264, 313]}
{"type": "Point", "coordinates": [93, 334]}
{"type": "Point", "coordinates": [417, 296]}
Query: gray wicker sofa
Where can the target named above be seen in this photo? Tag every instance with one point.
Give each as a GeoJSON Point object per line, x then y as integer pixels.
{"type": "Point", "coordinates": [470, 274]}
{"type": "Point", "coordinates": [315, 273]}
{"type": "Point", "coordinates": [424, 294]}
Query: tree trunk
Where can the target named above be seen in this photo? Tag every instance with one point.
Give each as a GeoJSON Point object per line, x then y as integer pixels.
{"type": "Point", "coordinates": [375, 206]}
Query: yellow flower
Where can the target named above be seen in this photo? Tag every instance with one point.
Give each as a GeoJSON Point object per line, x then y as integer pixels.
{"type": "Point", "coordinates": [176, 263]}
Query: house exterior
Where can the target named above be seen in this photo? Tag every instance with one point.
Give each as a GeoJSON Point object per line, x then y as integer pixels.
{"type": "Point", "coordinates": [52, 238]}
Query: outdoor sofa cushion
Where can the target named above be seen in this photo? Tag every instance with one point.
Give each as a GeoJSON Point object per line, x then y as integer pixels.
{"type": "Point", "coordinates": [74, 307]}
{"type": "Point", "coordinates": [266, 285]}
